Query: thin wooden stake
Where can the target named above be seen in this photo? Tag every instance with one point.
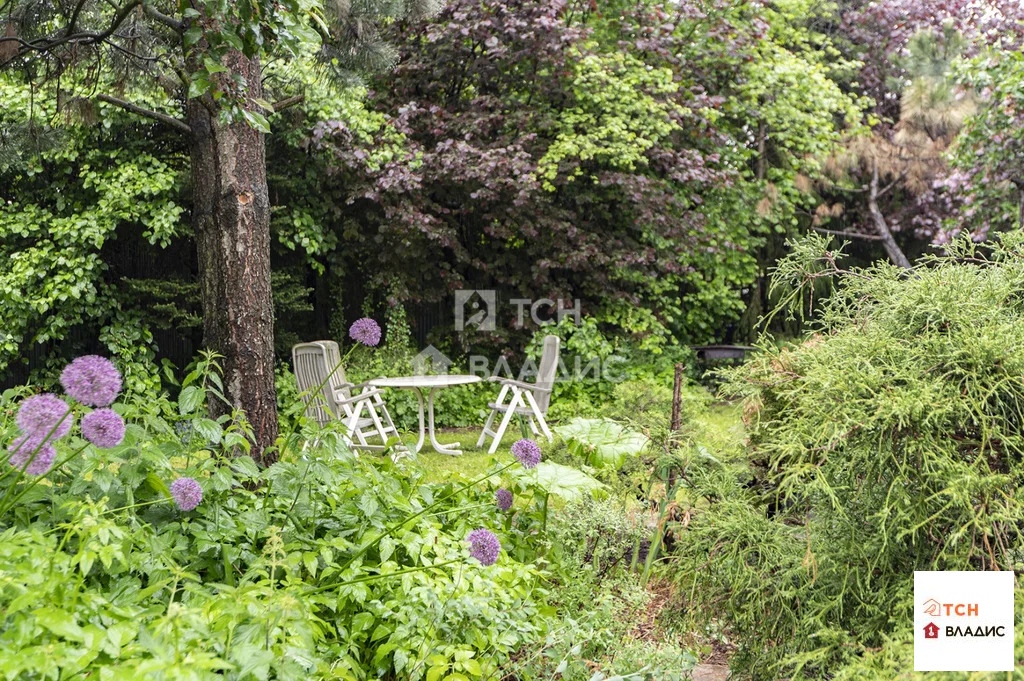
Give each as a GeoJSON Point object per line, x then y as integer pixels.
{"type": "Point", "coordinates": [677, 399]}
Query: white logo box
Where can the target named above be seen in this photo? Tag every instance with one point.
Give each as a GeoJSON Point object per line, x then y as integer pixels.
{"type": "Point", "coordinates": [963, 621]}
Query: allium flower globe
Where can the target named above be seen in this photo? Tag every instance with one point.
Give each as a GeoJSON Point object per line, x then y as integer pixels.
{"type": "Point", "coordinates": [484, 546]}
{"type": "Point", "coordinates": [186, 493]}
{"type": "Point", "coordinates": [503, 498]}
{"type": "Point", "coordinates": [21, 452]}
{"type": "Point", "coordinates": [38, 415]}
{"type": "Point", "coordinates": [365, 331]}
{"type": "Point", "coordinates": [103, 427]}
{"type": "Point", "coordinates": [526, 452]}
{"type": "Point", "coordinates": [92, 380]}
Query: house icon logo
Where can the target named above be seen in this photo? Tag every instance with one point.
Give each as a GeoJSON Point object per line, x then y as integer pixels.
{"type": "Point", "coordinates": [430, 361]}
{"type": "Point", "coordinates": [932, 607]}
{"type": "Point", "coordinates": [931, 630]}
{"type": "Point", "coordinates": [475, 308]}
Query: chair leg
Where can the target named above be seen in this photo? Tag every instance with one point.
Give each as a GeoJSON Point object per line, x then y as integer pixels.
{"type": "Point", "coordinates": [499, 405]}
{"type": "Point", "coordinates": [386, 415]}
{"type": "Point", "coordinates": [539, 416]}
{"type": "Point", "coordinates": [354, 430]}
{"type": "Point", "coordinates": [487, 426]}
{"type": "Point", "coordinates": [515, 402]}
{"type": "Point", "coordinates": [378, 425]}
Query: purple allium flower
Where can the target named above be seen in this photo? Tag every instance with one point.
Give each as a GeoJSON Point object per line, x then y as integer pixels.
{"type": "Point", "coordinates": [21, 452]}
{"type": "Point", "coordinates": [365, 331]}
{"type": "Point", "coordinates": [484, 546]}
{"type": "Point", "coordinates": [503, 498]}
{"type": "Point", "coordinates": [527, 452]}
{"type": "Point", "coordinates": [187, 493]}
{"type": "Point", "coordinates": [103, 427]}
{"type": "Point", "coordinates": [92, 380]}
{"type": "Point", "coordinates": [38, 415]}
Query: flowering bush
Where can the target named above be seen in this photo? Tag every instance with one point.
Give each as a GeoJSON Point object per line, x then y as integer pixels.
{"type": "Point", "coordinates": [320, 566]}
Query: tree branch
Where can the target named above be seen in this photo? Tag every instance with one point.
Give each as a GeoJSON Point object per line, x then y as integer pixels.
{"type": "Point", "coordinates": [287, 102]}
{"type": "Point", "coordinates": [899, 178]}
{"type": "Point", "coordinates": [47, 44]}
{"type": "Point", "coordinates": [892, 249]}
{"type": "Point", "coordinates": [163, 118]}
{"type": "Point", "coordinates": [851, 235]}
{"type": "Point", "coordinates": [74, 17]}
{"type": "Point", "coordinates": [170, 22]}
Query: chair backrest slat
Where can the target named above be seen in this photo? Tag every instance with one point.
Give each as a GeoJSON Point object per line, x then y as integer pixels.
{"type": "Point", "coordinates": [332, 357]}
{"type": "Point", "coordinates": [310, 363]}
{"type": "Point", "coordinates": [547, 371]}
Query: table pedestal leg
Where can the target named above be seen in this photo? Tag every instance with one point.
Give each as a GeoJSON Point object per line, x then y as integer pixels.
{"type": "Point", "coordinates": [451, 450]}
{"type": "Point", "coordinates": [419, 398]}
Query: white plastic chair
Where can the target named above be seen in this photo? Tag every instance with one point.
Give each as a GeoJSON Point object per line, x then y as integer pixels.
{"type": "Point", "coordinates": [319, 363]}
{"type": "Point", "coordinates": [524, 399]}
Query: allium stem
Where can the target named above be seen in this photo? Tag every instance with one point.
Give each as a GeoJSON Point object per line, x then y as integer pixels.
{"type": "Point", "coordinates": [371, 578]}
{"type": "Point", "coordinates": [4, 508]}
{"type": "Point", "coordinates": [390, 530]}
{"type": "Point", "coordinates": [460, 509]}
{"type": "Point", "coordinates": [161, 500]}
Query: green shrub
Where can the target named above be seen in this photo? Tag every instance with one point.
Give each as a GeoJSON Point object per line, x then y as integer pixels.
{"type": "Point", "coordinates": [890, 441]}
{"type": "Point", "coordinates": [594, 536]}
{"type": "Point", "coordinates": [304, 570]}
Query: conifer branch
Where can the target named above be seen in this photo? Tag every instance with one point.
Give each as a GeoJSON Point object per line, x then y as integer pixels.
{"type": "Point", "coordinates": [155, 115]}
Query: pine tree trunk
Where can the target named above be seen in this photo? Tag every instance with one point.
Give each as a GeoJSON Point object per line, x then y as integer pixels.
{"type": "Point", "coordinates": [892, 249]}
{"type": "Point", "coordinates": [231, 216]}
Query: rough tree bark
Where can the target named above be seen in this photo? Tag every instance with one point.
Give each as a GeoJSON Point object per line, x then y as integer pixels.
{"type": "Point", "coordinates": [231, 216]}
{"type": "Point", "coordinates": [892, 249]}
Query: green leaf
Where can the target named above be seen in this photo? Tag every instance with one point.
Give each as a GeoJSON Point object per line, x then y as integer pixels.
{"type": "Point", "coordinates": [192, 36]}
{"type": "Point", "coordinates": [245, 466]}
{"type": "Point", "coordinates": [213, 67]}
{"type": "Point", "coordinates": [158, 485]}
{"type": "Point", "coordinates": [387, 548]}
{"type": "Point", "coordinates": [362, 621]}
{"type": "Point", "coordinates": [562, 481]}
{"type": "Point", "coordinates": [257, 121]}
{"type": "Point", "coordinates": [602, 442]}
{"type": "Point", "coordinates": [59, 622]}
{"type": "Point", "coordinates": [190, 399]}
{"type": "Point", "coordinates": [209, 429]}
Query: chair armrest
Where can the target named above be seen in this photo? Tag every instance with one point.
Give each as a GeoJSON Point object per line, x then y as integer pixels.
{"type": "Point", "coordinates": [364, 386]}
{"type": "Point", "coordinates": [519, 384]}
{"type": "Point", "coordinates": [356, 398]}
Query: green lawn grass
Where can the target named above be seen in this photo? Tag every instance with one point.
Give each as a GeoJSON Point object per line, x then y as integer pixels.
{"type": "Point", "coordinates": [721, 431]}
{"type": "Point", "coordinates": [474, 460]}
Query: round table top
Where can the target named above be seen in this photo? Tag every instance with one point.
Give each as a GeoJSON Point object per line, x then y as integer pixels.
{"type": "Point", "coordinates": [440, 381]}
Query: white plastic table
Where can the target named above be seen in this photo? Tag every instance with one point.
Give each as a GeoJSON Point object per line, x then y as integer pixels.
{"type": "Point", "coordinates": [434, 383]}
